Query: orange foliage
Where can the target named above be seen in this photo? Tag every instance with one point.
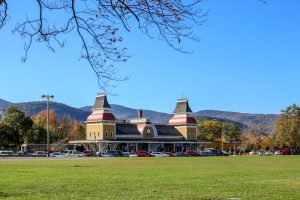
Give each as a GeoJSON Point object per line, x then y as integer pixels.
{"type": "Point", "coordinates": [41, 118]}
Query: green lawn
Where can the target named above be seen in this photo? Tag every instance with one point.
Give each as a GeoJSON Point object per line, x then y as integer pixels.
{"type": "Point", "coordinates": [276, 177]}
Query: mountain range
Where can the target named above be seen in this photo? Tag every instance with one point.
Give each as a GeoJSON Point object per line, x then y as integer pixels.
{"type": "Point", "coordinates": [262, 123]}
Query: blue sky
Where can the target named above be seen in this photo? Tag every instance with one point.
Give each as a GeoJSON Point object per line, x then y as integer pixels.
{"type": "Point", "coordinates": [248, 60]}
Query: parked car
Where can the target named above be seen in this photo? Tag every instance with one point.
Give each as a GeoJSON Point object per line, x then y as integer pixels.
{"type": "Point", "coordinates": [180, 154]}
{"type": "Point", "coordinates": [192, 153]}
{"type": "Point", "coordinates": [158, 154]}
{"type": "Point", "coordinates": [115, 153]}
{"type": "Point", "coordinates": [276, 153]}
{"type": "Point", "coordinates": [104, 154]}
{"type": "Point", "coordinates": [88, 153]}
{"type": "Point", "coordinates": [169, 154]}
{"type": "Point", "coordinates": [285, 152]}
{"type": "Point", "coordinates": [142, 154]}
{"type": "Point", "coordinates": [207, 153]}
{"type": "Point", "coordinates": [126, 154]}
{"type": "Point", "coordinates": [39, 154]}
{"type": "Point", "coordinates": [269, 153]}
{"type": "Point", "coordinates": [133, 155]}
{"type": "Point", "coordinates": [6, 153]}
{"type": "Point", "coordinates": [252, 153]}
{"type": "Point", "coordinates": [73, 153]}
{"type": "Point", "coordinates": [57, 155]}
{"type": "Point", "coordinates": [19, 154]}
{"type": "Point", "coordinates": [226, 153]}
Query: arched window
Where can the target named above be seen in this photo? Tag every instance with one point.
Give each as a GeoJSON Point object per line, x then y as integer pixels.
{"type": "Point", "coordinates": [106, 134]}
{"type": "Point", "coordinates": [111, 134]}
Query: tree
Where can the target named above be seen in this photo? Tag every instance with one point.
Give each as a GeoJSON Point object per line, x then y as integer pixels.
{"type": "Point", "coordinates": [16, 126]}
{"type": "Point", "coordinates": [209, 130]}
{"type": "Point", "coordinates": [37, 134]}
{"type": "Point", "coordinates": [76, 132]}
{"type": "Point", "coordinates": [231, 132]}
{"type": "Point", "coordinates": [41, 119]}
{"type": "Point", "coordinates": [292, 110]}
{"type": "Point", "coordinates": [250, 141]}
{"type": "Point", "coordinates": [99, 25]}
{"type": "Point", "coordinates": [287, 132]}
{"type": "Point", "coordinates": [5, 136]}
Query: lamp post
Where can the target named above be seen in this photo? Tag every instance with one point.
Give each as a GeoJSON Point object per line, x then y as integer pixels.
{"type": "Point", "coordinates": [48, 99]}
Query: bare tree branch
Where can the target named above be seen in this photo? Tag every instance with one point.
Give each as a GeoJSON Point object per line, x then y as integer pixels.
{"type": "Point", "coordinates": [99, 25]}
{"type": "Point", "coordinates": [3, 13]}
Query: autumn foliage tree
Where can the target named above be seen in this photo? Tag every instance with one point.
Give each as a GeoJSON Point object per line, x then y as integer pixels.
{"type": "Point", "coordinates": [76, 132]}
{"type": "Point", "coordinates": [287, 133]}
{"type": "Point", "coordinates": [41, 118]}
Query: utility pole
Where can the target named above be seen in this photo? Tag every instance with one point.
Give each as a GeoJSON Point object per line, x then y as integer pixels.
{"type": "Point", "coordinates": [48, 99]}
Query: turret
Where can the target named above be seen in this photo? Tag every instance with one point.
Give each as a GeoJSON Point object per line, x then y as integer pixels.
{"type": "Point", "coordinates": [101, 110]}
{"type": "Point", "coordinates": [183, 120]}
{"type": "Point", "coordinates": [101, 124]}
{"type": "Point", "coordinates": [182, 114]}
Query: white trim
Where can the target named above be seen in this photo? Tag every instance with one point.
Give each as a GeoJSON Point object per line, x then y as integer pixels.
{"type": "Point", "coordinates": [138, 141]}
{"type": "Point", "coordinates": [100, 122]}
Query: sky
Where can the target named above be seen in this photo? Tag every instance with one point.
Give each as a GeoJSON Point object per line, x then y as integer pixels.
{"type": "Point", "coordinates": [248, 60]}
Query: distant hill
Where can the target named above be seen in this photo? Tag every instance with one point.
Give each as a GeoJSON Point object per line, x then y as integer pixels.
{"type": "Point", "coordinates": [262, 123]}
{"type": "Point", "coordinates": [122, 112]}
{"type": "Point", "coordinates": [4, 104]}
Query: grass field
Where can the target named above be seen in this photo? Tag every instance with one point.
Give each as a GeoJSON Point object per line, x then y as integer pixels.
{"type": "Point", "coordinates": [276, 177]}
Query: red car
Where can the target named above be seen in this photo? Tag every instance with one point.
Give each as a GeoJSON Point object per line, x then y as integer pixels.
{"type": "Point", "coordinates": [169, 154]}
{"type": "Point", "coordinates": [142, 154]}
{"type": "Point", "coordinates": [285, 152]}
{"type": "Point", "coordinates": [192, 153]}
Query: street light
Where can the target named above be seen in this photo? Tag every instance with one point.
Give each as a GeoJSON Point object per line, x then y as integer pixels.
{"type": "Point", "coordinates": [48, 99]}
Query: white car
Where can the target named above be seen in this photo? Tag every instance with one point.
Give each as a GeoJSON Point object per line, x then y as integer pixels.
{"type": "Point", "coordinates": [39, 154]}
{"type": "Point", "coordinates": [57, 155]}
{"type": "Point", "coordinates": [159, 154]}
{"type": "Point", "coordinates": [277, 153]}
{"type": "Point", "coordinates": [269, 153]}
{"type": "Point", "coordinates": [252, 153]}
{"type": "Point", "coordinates": [6, 153]}
{"type": "Point", "coordinates": [73, 153]}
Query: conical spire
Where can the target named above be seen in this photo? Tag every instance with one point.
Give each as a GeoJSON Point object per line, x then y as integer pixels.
{"type": "Point", "coordinates": [101, 110]}
{"type": "Point", "coordinates": [101, 102]}
{"type": "Point", "coordinates": [182, 114]}
{"type": "Point", "coordinates": [182, 107]}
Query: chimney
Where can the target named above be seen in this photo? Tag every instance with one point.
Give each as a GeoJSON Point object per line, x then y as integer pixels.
{"type": "Point", "coordinates": [140, 113]}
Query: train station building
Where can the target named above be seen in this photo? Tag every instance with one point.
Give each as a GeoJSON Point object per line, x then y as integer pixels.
{"type": "Point", "coordinates": [104, 132]}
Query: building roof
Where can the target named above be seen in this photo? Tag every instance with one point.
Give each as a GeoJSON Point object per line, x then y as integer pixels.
{"type": "Point", "coordinates": [101, 117]}
{"type": "Point", "coordinates": [165, 130]}
{"type": "Point", "coordinates": [182, 106]}
{"type": "Point", "coordinates": [182, 120]}
{"type": "Point", "coordinates": [101, 102]}
{"type": "Point", "coordinates": [127, 129]}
